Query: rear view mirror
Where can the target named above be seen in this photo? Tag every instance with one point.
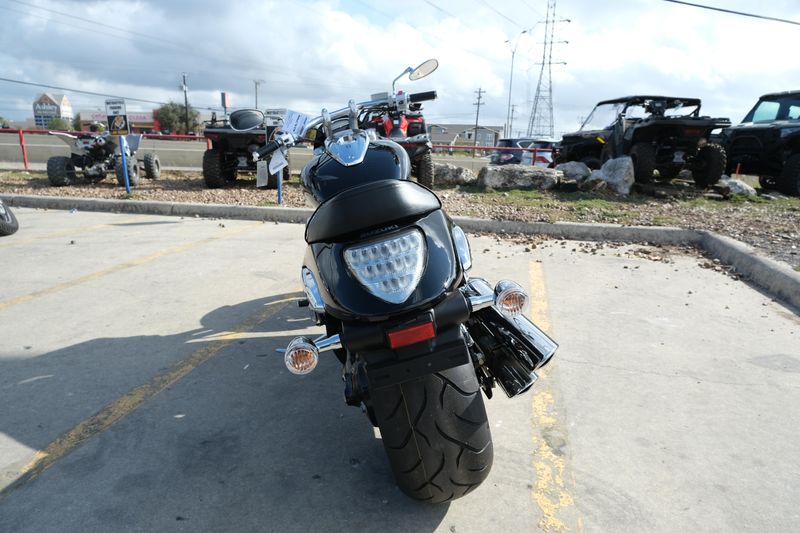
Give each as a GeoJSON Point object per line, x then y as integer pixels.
{"type": "Point", "coordinates": [423, 70]}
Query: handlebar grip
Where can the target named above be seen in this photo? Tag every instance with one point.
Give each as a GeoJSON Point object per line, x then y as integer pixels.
{"type": "Point", "coordinates": [268, 148]}
{"type": "Point", "coordinates": [421, 97]}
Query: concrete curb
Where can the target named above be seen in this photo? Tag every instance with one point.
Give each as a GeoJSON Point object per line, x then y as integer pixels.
{"type": "Point", "coordinates": [777, 279]}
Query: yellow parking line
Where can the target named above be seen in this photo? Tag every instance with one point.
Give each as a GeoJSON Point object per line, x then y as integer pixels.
{"type": "Point", "coordinates": [550, 492]}
{"type": "Point", "coordinates": [126, 404]}
{"type": "Point", "coordinates": [116, 268]}
{"type": "Point", "coordinates": [65, 233]}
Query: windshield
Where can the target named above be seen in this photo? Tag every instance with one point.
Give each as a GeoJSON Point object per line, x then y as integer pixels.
{"type": "Point", "coordinates": [775, 108]}
{"type": "Point", "coordinates": [602, 117]}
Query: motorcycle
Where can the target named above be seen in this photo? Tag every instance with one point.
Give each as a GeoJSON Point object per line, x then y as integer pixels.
{"type": "Point", "coordinates": [8, 222]}
{"type": "Point", "coordinates": [385, 273]}
{"type": "Point", "coordinates": [97, 154]}
{"type": "Point", "coordinates": [403, 122]}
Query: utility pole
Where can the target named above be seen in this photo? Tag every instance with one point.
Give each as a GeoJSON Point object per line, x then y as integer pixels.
{"type": "Point", "coordinates": [478, 104]}
{"type": "Point", "coordinates": [257, 83]}
{"type": "Point", "coordinates": [185, 103]}
{"type": "Point", "coordinates": [511, 122]}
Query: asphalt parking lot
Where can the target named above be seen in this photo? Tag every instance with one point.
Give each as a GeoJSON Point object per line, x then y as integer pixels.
{"type": "Point", "coordinates": [141, 391]}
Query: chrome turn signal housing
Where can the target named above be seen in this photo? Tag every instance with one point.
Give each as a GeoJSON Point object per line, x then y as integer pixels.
{"type": "Point", "coordinates": [301, 356]}
{"type": "Point", "coordinates": [510, 298]}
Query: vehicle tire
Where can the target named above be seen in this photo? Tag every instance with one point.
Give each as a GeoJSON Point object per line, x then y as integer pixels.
{"type": "Point", "coordinates": [709, 165]}
{"type": "Point", "coordinates": [152, 166]}
{"type": "Point", "coordinates": [790, 176]}
{"type": "Point", "coordinates": [644, 162]}
{"type": "Point", "coordinates": [61, 171]}
{"type": "Point", "coordinates": [768, 182]}
{"type": "Point", "coordinates": [424, 170]}
{"type": "Point", "coordinates": [8, 222]}
{"type": "Point", "coordinates": [133, 170]}
{"type": "Point", "coordinates": [212, 169]}
{"type": "Point", "coordinates": [592, 162]}
{"type": "Point", "coordinates": [436, 434]}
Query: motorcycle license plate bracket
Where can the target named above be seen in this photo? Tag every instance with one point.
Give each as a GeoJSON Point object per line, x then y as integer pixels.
{"type": "Point", "coordinates": [386, 367]}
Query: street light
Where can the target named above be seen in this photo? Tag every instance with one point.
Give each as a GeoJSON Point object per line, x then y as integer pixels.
{"type": "Point", "coordinates": [513, 48]}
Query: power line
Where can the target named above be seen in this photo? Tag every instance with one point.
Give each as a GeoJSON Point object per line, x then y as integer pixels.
{"type": "Point", "coordinates": [512, 21]}
{"type": "Point", "coordinates": [732, 12]}
{"type": "Point", "coordinates": [80, 91]}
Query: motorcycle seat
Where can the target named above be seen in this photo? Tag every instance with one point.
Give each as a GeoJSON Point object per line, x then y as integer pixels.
{"type": "Point", "coordinates": [370, 206]}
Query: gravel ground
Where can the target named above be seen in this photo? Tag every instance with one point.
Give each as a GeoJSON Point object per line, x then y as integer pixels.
{"type": "Point", "coordinates": [770, 226]}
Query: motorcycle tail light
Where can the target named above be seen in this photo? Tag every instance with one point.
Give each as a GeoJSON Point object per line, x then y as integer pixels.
{"type": "Point", "coordinates": [301, 356]}
{"type": "Point", "coordinates": [389, 268]}
{"type": "Point", "coordinates": [510, 298]}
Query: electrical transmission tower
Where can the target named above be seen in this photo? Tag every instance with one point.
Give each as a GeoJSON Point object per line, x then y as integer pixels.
{"type": "Point", "coordinates": [540, 122]}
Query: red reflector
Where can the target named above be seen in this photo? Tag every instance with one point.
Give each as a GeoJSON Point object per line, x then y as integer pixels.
{"type": "Point", "coordinates": [412, 335]}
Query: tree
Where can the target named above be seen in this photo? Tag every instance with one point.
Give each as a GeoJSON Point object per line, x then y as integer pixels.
{"type": "Point", "coordinates": [172, 117]}
{"type": "Point", "coordinates": [76, 123]}
{"type": "Point", "coordinates": [4, 123]}
{"type": "Point", "coordinates": [57, 123]}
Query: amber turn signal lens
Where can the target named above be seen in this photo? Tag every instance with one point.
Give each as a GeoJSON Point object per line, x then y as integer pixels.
{"type": "Point", "coordinates": [301, 356]}
{"type": "Point", "coordinates": [510, 299]}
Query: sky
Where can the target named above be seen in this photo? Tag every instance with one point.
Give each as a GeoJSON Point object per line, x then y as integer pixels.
{"type": "Point", "coordinates": [314, 54]}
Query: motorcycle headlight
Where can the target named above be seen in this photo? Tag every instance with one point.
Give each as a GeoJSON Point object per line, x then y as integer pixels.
{"type": "Point", "coordinates": [389, 268]}
{"type": "Point", "coordinates": [462, 247]}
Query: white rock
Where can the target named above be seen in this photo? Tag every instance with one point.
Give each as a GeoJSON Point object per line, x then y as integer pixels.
{"type": "Point", "coordinates": [618, 173]}
{"type": "Point", "coordinates": [518, 177]}
{"type": "Point", "coordinates": [574, 170]}
{"type": "Point", "coordinates": [736, 186]}
{"type": "Point", "coordinates": [448, 174]}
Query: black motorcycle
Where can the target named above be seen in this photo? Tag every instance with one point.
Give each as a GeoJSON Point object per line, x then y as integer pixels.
{"type": "Point", "coordinates": [8, 222]}
{"type": "Point", "coordinates": [385, 272]}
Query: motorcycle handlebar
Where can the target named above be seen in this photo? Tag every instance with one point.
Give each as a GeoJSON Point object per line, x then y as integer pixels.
{"type": "Point", "coordinates": [268, 148]}
{"type": "Point", "coordinates": [421, 97]}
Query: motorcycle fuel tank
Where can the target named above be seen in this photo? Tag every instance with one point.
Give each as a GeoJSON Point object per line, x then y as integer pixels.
{"type": "Point", "coordinates": [323, 177]}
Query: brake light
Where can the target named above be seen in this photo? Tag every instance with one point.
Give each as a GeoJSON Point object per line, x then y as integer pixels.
{"type": "Point", "coordinates": [411, 335]}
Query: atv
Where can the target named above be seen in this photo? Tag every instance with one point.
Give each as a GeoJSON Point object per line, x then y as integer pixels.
{"type": "Point", "coordinates": [767, 142]}
{"type": "Point", "coordinates": [660, 133]}
{"type": "Point", "coordinates": [231, 150]}
{"type": "Point", "coordinates": [97, 154]}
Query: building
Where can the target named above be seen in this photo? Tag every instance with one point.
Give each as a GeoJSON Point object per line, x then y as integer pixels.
{"type": "Point", "coordinates": [452, 134]}
{"type": "Point", "coordinates": [49, 106]}
{"type": "Point", "coordinates": [140, 121]}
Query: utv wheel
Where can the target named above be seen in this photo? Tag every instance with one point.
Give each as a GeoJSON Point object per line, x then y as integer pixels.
{"type": "Point", "coordinates": [592, 162]}
{"type": "Point", "coordinates": [768, 183]}
{"type": "Point", "coordinates": [436, 434]}
{"type": "Point", "coordinates": [790, 177]}
{"type": "Point", "coordinates": [212, 169]}
{"type": "Point", "coordinates": [8, 222]}
{"type": "Point", "coordinates": [709, 165]}
{"type": "Point", "coordinates": [152, 166]}
{"type": "Point", "coordinates": [61, 171]}
{"type": "Point", "coordinates": [133, 170]}
{"type": "Point", "coordinates": [425, 170]}
{"type": "Point", "coordinates": [644, 162]}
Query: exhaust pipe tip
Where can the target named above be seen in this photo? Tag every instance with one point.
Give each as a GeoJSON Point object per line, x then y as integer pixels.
{"type": "Point", "coordinates": [301, 356]}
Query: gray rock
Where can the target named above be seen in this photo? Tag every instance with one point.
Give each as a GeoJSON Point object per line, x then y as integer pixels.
{"type": "Point", "coordinates": [574, 170]}
{"type": "Point", "coordinates": [734, 186]}
{"type": "Point", "coordinates": [448, 174]}
{"type": "Point", "coordinates": [616, 173]}
{"type": "Point", "coordinates": [518, 177]}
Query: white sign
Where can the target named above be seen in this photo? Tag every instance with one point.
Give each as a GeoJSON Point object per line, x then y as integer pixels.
{"type": "Point", "coordinates": [115, 107]}
{"type": "Point", "coordinates": [295, 122]}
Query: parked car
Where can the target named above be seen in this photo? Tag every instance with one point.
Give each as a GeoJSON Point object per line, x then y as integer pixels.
{"type": "Point", "coordinates": [767, 142]}
{"type": "Point", "coordinates": [663, 133]}
{"type": "Point", "coordinates": [517, 157]}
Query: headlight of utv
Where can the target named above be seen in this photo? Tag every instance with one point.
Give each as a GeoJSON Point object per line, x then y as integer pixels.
{"type": "Point", "coordinates": [389, 268]}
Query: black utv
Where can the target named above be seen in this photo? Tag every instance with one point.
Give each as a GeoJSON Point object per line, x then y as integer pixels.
{"type": "Point", "coordinates": [663, 133]}
{"type": "Point", "coordinates": [767, 142]}
{"type": "Point", "coordinates": [231, 151]}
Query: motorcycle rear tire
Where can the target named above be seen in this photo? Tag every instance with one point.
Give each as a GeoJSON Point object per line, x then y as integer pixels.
{"type": "Point", "coordinates": [425, 170]}
{"type": "Point", "coordinates": [436, 434]}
